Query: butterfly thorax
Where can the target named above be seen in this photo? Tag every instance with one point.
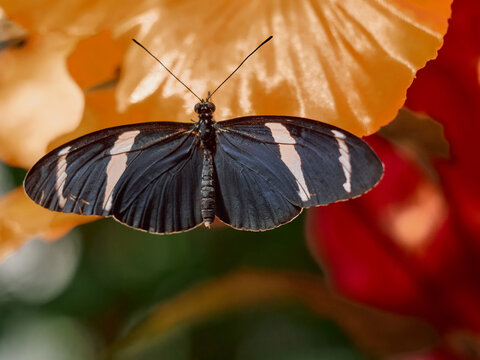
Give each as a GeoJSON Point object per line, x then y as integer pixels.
{"type": "Point", "coordinates": [206, 132]}
{"type": "Point", "coordinates": [205, 122]}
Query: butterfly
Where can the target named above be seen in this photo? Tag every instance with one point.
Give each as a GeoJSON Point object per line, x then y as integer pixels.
{"type": "Point", "coordinates": [253, 173]}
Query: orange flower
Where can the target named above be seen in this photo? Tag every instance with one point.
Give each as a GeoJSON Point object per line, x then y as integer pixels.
{"type": "Point", "coordinates": [348, 63]}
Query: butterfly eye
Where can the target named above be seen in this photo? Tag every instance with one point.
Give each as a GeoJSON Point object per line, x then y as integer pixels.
{"type": "Point", "coordinates": [210, 107]}
{"type": "Point", "coordinates": [197, 108]}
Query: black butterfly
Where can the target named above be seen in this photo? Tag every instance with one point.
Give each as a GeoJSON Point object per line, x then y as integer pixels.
{"type": "Point", "coordinates": [253, 173]}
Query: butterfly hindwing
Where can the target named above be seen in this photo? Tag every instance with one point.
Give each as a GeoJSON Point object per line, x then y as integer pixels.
{"type": "Point", "coordinates": [145, 175]}
{"type": "Point", "coordinates": [245, 198]}
{"type": "Point", "coordinates": [288, 163]}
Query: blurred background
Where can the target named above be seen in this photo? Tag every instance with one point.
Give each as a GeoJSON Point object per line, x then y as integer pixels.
{"type": "Point", "coordinates": [69, 298]}
{"type": "Point", "coordinates": [393, 274]}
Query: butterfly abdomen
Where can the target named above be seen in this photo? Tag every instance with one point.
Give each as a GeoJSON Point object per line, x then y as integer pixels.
{"type": "Point", "coordinates": [207, 189]}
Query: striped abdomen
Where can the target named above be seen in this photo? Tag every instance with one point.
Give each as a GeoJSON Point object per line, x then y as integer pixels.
{"type": "Point", "coordinates": [207, 189]}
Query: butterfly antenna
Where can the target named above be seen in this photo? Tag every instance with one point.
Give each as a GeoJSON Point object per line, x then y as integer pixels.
{"type": "Point", "coordinates": [181, 82]}
{"type": "Point", "coordinates": [238, 67]}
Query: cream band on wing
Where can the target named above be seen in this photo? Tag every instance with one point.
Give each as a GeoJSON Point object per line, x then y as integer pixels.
{"type": "Point", "coordinates": [344, 159]}
{"type": "Point", "coordinates": [61, 175]}
{"type": "Point", "coordinates": [289, 156]}
{"type": "Point", "coordinates": [117, 164]}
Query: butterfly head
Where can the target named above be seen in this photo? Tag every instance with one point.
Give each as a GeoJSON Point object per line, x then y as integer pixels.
{"type": "Point", "coordinates": [204, 107]}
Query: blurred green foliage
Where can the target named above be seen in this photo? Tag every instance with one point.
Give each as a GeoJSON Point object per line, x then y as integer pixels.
{"type": "Point", "coordinates": [122, 273]}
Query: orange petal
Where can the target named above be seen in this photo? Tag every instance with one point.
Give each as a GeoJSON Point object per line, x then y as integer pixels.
{"type": "Point", "coordinates": [73, 17]}
{"type": "Point", "coordinates": [38, 99]}
{"type": "Point", "coordinates": [21, 219]}
{"type": "Point", "coordinates": [11, 33]}
{"type": "Point", "coordinates": [95, 64]}
{"type": "Point", "coordinates": [348, 63]}
{"type": "Point", "coordinates": [96, 60]}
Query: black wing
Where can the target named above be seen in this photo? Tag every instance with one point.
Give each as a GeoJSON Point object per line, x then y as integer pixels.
{"type": "Point", "coordinates": [145, 175]}
{"type": "Point", "coordinates": [270, 167]}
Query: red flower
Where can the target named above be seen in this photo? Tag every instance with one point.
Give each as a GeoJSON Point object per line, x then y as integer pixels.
{"type": "Point", "coordinates": [412, 245]}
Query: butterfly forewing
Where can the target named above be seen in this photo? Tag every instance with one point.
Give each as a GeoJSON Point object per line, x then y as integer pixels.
{"type": "Point", "coordinates": [281, 164]}
{"type": "Point", "coordinates": [145, 175]}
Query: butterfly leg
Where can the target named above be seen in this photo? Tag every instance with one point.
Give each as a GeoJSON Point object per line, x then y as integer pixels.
{"type": "Point", "coordinates": [207, 189]}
